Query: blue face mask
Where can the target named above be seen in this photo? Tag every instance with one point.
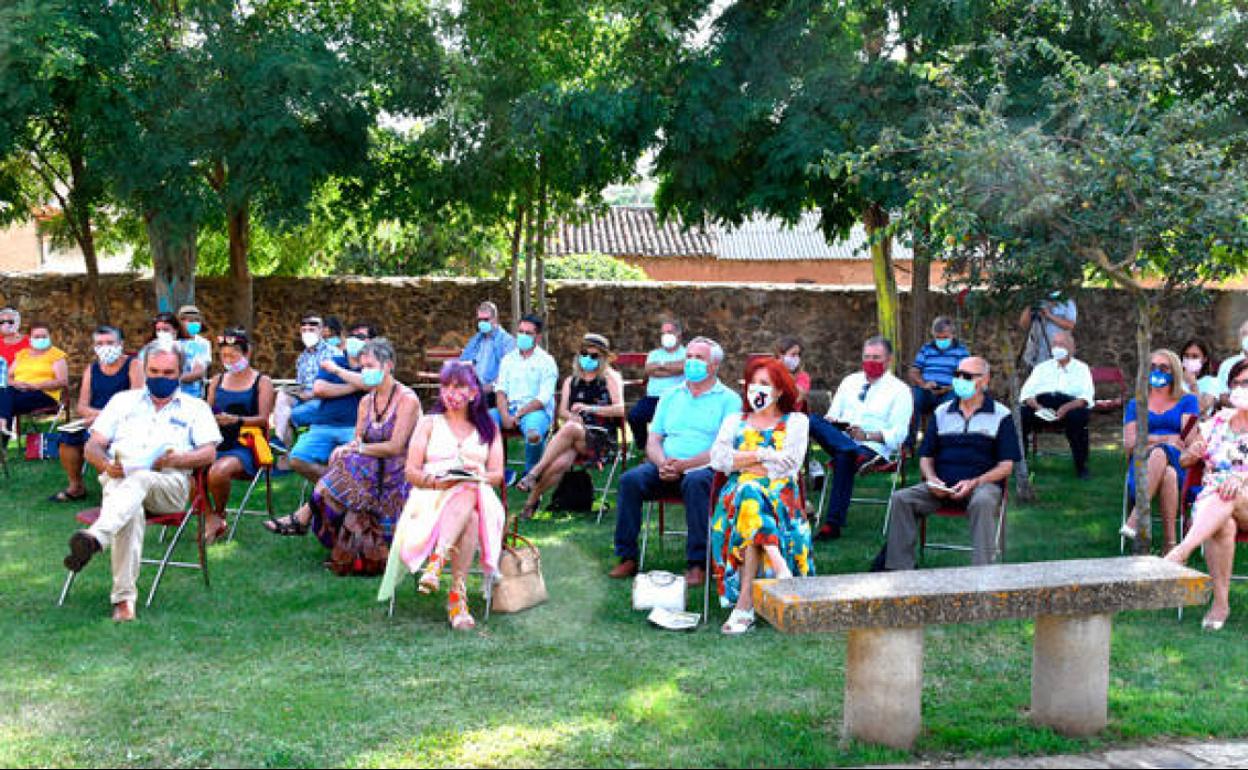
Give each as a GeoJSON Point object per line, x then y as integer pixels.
{"type": "Point", "coordinates": [1160, 379]}
{"type": "Point", "coordinates": [162, 387]}
{"type": "Point", "coordinates": [41, 343]}
{"type": "Point", "coordinates": [524, 341]}
{"type": "Point", "coordinates": [963, 389]}
{"type": "Point", "coordinates": [484, 327]}
{"type": "Point", "coordinates": [943, 344]}
{"type": "Point", "coordinates": [695, 370]}
{"type": "Point", "coordinates": [372, 377]}
{"type": "Point", "coordinates": [194, 327]}
{"type": "Point", "coordinates": [354, 346]}
{"type": "Point", "coordinates": [589, 364]}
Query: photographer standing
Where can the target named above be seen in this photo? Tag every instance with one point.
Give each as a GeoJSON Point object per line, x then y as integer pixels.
{"type": "Point", "coordinates": [1042, 322]}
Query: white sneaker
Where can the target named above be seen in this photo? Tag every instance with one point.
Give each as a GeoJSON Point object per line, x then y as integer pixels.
{"type": "Point", "coordinates": [1128, 531]}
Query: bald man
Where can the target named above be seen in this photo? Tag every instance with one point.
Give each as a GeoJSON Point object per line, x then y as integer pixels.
{"type": "Point", "coordinates": [1061, 388]}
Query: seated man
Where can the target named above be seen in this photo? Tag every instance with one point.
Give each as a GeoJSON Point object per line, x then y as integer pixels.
{"type": "Point", "coordinates": [665, 371]}
{"type": "Point", "coordinates": [1060, 391]}
{"type": "Point", "coordinates": [678, 453]}
{"type": "Point", "coordinates": [868, 419]}
{"type": "Point", "coordinates": [488, 346]}
{"type": "Point", "coordinates": [297, 406]}
{"type": "Point", "coordinates": [967, 454]}
{"type": "Point", "coordinates": [524, 392]}
{"type": "Point", "coordinates": [339, 389]}
{"type": "Point", "coordinates": [931, 374]}
{"type": "Point", "coordinates": [126, 442]}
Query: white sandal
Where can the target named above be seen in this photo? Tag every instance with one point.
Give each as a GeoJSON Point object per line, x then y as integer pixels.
{"type": "Point", "coordinates": [738, 622]}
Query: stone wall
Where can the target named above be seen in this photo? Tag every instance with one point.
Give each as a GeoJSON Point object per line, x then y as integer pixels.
{"type": "Point", "coordinates": [418, 312]}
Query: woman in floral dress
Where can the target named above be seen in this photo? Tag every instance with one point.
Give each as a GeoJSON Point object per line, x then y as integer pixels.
{"type": "Point", "coordinates": [758, 528]}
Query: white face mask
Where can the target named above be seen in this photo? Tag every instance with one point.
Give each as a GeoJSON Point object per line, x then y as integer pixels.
{"type": "Point", "coordinates": [310, 339]}
{"type": "Point", "coordinates": [107, 354]}
{"type": "Point", "coordinates": [792, 362]}
{"type": "Point", "coordinates": [165, 337]}
{"type": "Point", "coordinates": [1060, 354]}
{"type": "Point", "coordinates": [760, 396]}
{"type": "Point", "coordinates": [668, 341]}
{"type": "Point", "coordinates": [1239, 397]}
{"type": "Point", "coordinates": [1193, 365]}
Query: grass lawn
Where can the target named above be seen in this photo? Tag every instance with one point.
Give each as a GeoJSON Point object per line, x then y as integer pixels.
{"type": "Point", "coordinates": [281, 663]}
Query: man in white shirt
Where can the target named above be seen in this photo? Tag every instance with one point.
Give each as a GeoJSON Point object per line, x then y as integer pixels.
{"type": "Point", "coordinates": [525, 390]}
{"type": "Point", "coordinates": [867, 422]}
{"type": "Point", "coordinates": [144, 444]}
{"type": "Point", "coordinates": [1060, 391]}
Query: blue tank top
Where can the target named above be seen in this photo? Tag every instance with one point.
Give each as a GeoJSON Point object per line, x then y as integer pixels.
{"type": "Point", "coordinates": [105, 386]}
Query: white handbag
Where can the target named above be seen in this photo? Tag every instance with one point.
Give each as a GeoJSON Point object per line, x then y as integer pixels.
{"type": "Point", "coordinates": [659, 589]}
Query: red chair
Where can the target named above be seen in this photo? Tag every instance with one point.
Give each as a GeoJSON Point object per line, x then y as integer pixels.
{"type": "Point", "coordinates": [1103, 377]}
{"type": "Point", "coordinates": [196, 509]}
{"type": "Point", "coordinates": [950, 511]}
{"type": "Point", "coordinates": [632, 360]}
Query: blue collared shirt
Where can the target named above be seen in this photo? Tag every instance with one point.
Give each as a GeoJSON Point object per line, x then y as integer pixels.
{"type": "Point", "coordinates": [936, 365]}
{"type": "Point", "coordinates": [308, 365]}
{"type": "Point", "coordinates": [486, 352]}
{"type": "Point", "coordinates": [689, 423]}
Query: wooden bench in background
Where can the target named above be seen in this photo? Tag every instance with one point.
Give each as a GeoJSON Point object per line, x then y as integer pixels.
{"type": "Point", "coordinates": [1073, 603]}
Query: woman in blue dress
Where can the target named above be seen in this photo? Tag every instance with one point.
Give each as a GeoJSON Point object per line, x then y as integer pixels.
{"type": "Point", "coordinates": [1171, 414]}
{"type": "Point", "coordinates": [240, 397]}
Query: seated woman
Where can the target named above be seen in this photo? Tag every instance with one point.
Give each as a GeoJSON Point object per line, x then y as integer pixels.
{"type": "Point", "coordinates": [1171, 413]}
{"type": "Point", "coordinates": [590, 410]}
{"type": "Point", "coordinates": [36, 379]}
{"type": "Point", "coordinates": [1221, 510]}
{"type": "Point", "coordinates": [240, 397]}
{"type": "Point", "coordinates": [789, 350]}
{"type": "Point", "coordinates": [112, 372]}
{"type": "Point", "coordinates": [758, 525]}
{"type": "Point", "coordinates": [1199, 373]}
{"type": "Point", "coordinates": [454, 464]}
{"type": "Point", "coordinates": [354, 506]}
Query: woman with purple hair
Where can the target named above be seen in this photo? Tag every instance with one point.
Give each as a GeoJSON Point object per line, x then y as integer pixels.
{"type": "Point", "coordinates": [454, 462]}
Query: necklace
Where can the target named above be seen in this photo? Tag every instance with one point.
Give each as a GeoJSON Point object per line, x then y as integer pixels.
{"type": "Point", "coordinates": [378, 416]}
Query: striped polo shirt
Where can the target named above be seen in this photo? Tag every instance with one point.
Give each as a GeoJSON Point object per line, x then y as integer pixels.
{"type": "Point", "coordinates": [938, 365]}
{"type": "Point", "coordinates": [962, 448]}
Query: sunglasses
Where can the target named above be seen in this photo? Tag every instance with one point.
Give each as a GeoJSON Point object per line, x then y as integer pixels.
{"type": "Point", "coordinates": [231, 339]}
{"type": "Point", "coordinates": [965, 375]}
{"type": "Point", "coordinates": [360, 336]}
{"type": "Point", "coordinates": [1160, 368]}
{"type": "Point", "coordinates": [591, 354]}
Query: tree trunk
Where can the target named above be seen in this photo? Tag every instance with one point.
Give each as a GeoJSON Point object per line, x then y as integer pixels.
{"type": "Point", "coordinates": [79, 214]}
{"type": "Point", "coordinates": [875, 218]}
{"type": "Point", "coordinates": [174, 257]}
{"type": "Point", "coordinates": [529, 248]}
{"type": "Point", "coordinates": [540, 250]}
{"type": "Point", "coordinates": [239, 225]}
{"type": "Point", "coordinates": [920, 294]}
{"type": "Point", "coordinates": [1009, 357]}
{"type": "Point", "coordinates": [516, 235]}
{"type": "Point", "coordinates": [1144, 311]}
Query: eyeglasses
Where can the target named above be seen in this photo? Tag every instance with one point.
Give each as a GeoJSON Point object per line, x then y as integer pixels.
{"type": "Point", "coordinates": [7, 322]}
{"type": "Point", "coordinates": [231, 339]}
{"type": "Point", "coordinates": [965, 375]}
{"type": "Point", "coordinates": [1239, 384]}
{"type": "Point", "coordinates": [360, 336]}
{"type": "Point", "coordinates": [1160, 368]}
{"type": "Point", "coordinates": [591, 354]}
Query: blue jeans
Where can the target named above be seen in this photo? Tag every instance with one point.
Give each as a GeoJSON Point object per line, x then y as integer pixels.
{"type": "Point", "coordinates": [643, 483]}
{"type": "Point", "coordinates": [924, 402]}
{"type": "Point", "coordinates": [533, 426]}
{"type": "Point", "coordinates": [845, 454]}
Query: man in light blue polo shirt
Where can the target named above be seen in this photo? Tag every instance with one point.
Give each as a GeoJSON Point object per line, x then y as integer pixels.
{"type": "Point", "coordinates": [665, 371]}
{"type": "Point", "coordinates": [524, 392]}
{"type": "Point", "coordinates": [678, 452]}
{"type": "Point", "coordinates": [488, 346]}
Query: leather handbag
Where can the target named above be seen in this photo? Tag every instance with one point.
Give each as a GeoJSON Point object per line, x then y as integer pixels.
{"type": "Point", "coordinates": [659, 589]}
{"type": "Point", "coordinates": [520, 584]}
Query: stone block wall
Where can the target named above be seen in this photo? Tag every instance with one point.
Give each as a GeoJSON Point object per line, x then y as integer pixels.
{"type": "Point", "coordinates": [416, 313]}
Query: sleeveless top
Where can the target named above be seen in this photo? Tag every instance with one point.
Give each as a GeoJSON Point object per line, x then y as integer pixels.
{"type": "Point", "coordinates": [592, 393]}
{"type": "Point", "coordinates": [243, 403]}
{"type": "Point", "coordinates": [105, 386]}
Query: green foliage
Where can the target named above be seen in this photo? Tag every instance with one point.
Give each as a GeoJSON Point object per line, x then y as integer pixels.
{"type": "Point", "coordinates": [593, 267]}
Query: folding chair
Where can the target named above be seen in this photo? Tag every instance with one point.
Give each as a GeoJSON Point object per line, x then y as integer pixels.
{"type": "Point", "coordinates": [263, 471]}
{"type": "Point", "coordinates": [196, 509]}
{"type": "Point", "coordinates": [950, 511]}
{"type": "Point", "coordinates": [44, 420]}
{"type": "Point", "coordinates": [895, 468]}
{"type": "Point", "coordinates": [511, 530]}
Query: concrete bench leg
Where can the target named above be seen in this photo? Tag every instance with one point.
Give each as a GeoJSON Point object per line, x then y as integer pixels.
{"type": "Point", "coordinates": [884, 685]}
{"type": "Point", "coordinates": [1070, 673]}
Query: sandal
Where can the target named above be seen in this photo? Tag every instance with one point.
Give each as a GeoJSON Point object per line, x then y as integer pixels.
{"type": "Point", "coordinates": [431, 578]}
{"type": "Point", "coordinates": [286, 526]}
{"type": "Point", "coordinates": [219, 532]}
{"type": "Point", "coordinates": [64, 496]}
{"type": "Point", "coordinates": [528, 512]}
{"type": "Point", "coordinates": [738, 622]}
{"type": "Point", "coordinates": [457, 612]}
{"type": "Point", "coordinates": [525, 484]}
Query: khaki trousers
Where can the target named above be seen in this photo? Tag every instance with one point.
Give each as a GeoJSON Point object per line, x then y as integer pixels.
{"type": "Point", "coordinates": [122, 521]}
{"type": "Point", "coordinates": [912, 503]}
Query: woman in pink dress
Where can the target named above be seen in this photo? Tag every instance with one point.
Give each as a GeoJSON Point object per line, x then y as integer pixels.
{"type": "Point", "coordinates": [454, 463]}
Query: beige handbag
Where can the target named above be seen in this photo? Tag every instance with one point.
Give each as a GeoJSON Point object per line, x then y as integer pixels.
{"type": "Point", "coordinates": [520, 584]}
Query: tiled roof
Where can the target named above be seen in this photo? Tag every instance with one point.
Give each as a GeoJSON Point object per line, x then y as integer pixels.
{"type": "Point", "coordinates": [634, 231]}
{"type": "Point", "coordinates": [631, 231]}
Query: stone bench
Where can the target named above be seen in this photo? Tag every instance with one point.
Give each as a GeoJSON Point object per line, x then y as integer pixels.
{"type": "Point", "coordinates": [884, 613]}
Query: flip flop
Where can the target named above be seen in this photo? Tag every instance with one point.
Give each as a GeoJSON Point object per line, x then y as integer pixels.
{"type": "Point", "coordinates": [286, 526]}
{"type": "Point", "coordinates": [65, 497]}
{"type": "Point", "coordinates": [215, 536]}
